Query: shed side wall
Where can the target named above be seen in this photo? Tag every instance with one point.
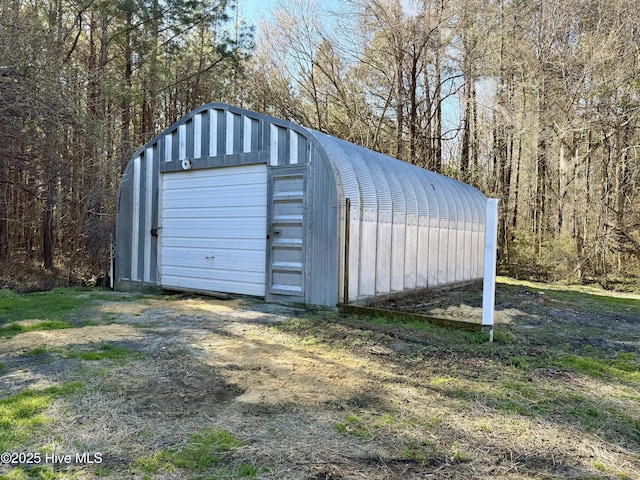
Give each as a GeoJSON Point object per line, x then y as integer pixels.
{"type": "Point", "coordinates": [322, 215]}
{"type": "Point", "coordinates": [409, 227]}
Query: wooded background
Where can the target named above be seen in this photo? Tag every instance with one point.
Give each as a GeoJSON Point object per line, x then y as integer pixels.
{"type": "Point", "coordinates": [535, 102]}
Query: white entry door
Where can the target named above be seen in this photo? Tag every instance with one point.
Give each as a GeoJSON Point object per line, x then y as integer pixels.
{"type": "Point", "coordinates": [213, 230]}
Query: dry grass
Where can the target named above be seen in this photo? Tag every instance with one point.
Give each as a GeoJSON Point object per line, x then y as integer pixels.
{"type": "Point", "coordinates": [320, 396]}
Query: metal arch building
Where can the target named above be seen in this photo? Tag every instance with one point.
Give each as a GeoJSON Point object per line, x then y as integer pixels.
{"type": "Point", "coordinates": [228, 200]}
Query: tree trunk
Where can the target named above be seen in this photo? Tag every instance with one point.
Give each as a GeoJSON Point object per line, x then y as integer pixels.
{"type": "Point", "coordinates": [4, 222]}
{"type": "Point", "coordinates": [437, 116]}
{"type": "Point", "coordinates": [400, 98]}
{"type": "Point", "coordinates": [466, 131]}
{"type": "Point", "coordinates": [47, 236]}
{"type": "Point", "coordinates": [126, 95]}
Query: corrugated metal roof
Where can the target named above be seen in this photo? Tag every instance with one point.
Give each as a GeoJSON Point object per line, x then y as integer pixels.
{"type": "Point", "coordinates": [374, 180]}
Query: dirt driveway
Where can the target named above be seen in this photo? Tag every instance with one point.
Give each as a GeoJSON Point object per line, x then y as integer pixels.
{"type": "Point", "coordinates": [317, 396]}
{"type": "Point", "coordinates": [208, 363]}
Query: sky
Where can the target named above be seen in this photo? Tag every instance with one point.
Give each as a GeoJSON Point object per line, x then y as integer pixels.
{"type": "Point", "coordinates": [255, 10]}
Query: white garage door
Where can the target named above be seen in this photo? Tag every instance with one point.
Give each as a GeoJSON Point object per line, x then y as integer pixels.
{"type": "Point", "coordinates": [213, 230]}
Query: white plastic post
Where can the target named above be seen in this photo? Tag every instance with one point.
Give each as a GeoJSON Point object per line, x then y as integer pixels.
{"type": "Point", "coordinates": [490, 258]}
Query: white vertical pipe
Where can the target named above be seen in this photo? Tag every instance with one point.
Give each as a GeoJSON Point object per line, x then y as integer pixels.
{"type": "Point", "coordinates": [490, 258]}
{"type": "Point", "coordinates": [112, 259]}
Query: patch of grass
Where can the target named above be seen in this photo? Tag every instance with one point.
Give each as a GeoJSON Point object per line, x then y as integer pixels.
{"type": "Point", "coordinates": [154, 463]}
{"type": "Point", "coordinates": [36, 352]}
{"type": "Point", "coordinates": [386, 419]}
{"type": "Point", "coordinates": [580, 295]}
{"type": "Point", "coordinates": [593, 300]}
{"type": "Point", "coordinates": [440, 334]}
{"type": "Point", "coordinates": [420, 452]}
{"type": "Point", "coordinates": [40, 472]}
{"type": "Point", "coordinates": [13, 329]}
{"type": "Point", "coordinates": [100, 471]}
{"type": "Point", "coordinates": [520, 362]}
{"type": "Point", "coordinates": [458, 455]}
{"type": "Point", "coordinates": [20, 414]}
{"type": "Point", "coordinates": [355, 426]}
{"type": "Point", "coordinates": [55, 309]}
{"type": "Point", "coordinates": [296, 325]}
{"type": "Point", "coordinates": [106, 351]}
{"type": "Point", "coordinates": [500, 335]}
{"type": "Point", "coordinates": [309, 340]}
{"type": "Point", "coordinates": [56, 304]}
{"type": "Point", "coordinates": [627, 362]}
{"type": "Point", "coordinates": [245, 471]}
{"type": "Point", "coordinates": [483, 426]}
{"type": "Point", "coordinates": [408, 325]}
{"type": "Point", "coordinates": [454, 388]}
{"type": "Point", "coordinates": [624, 367]}
{"type": "Point", "coordinates": [600, 466]}
{"type": "Point", "coordinates": [203, 450]}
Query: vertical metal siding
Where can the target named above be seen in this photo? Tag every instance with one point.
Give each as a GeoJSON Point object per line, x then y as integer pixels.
{"type": "Point", "coordinates": [213, 132]}
{"type": "Point", "coordinates": [168, 148]}
{"type": "Point", "coordinates": [197, 136]}
{"type": "Point", "coordinates": [124, 222]}
{"type": "Point", "coordinates": [422, 260]}
{"type": "Point", "coordinates": [148, 212]}
{"type": "Point", "coordinates": [189, 139]}
{"type": "Point", "coordinates": [247, 135]}
{"type": "Point", "coordinates": [274, 146]}
{"type": "Point", "coordinates": [205, 126]}
{"type": "Point", "coordinates": [230, 126]}
{"type": "Point", "coordinates": [135, 233]}
{"type": "Point", "coordinates": [221, 128]}
{"type": "Point", "coordinates": [155, 178]}
{"type": "Point", "coordinates": [180, 142]}
{"type": "Point", "coordinates": [283, 145]}
{"type": "Point", "coordinates": [293, 148]}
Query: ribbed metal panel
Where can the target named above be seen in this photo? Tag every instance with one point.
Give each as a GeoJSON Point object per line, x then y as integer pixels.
{"type": "Point", "coordinates": [410, 227]}
{"type": "Point", "coordinates": [323, 277]}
